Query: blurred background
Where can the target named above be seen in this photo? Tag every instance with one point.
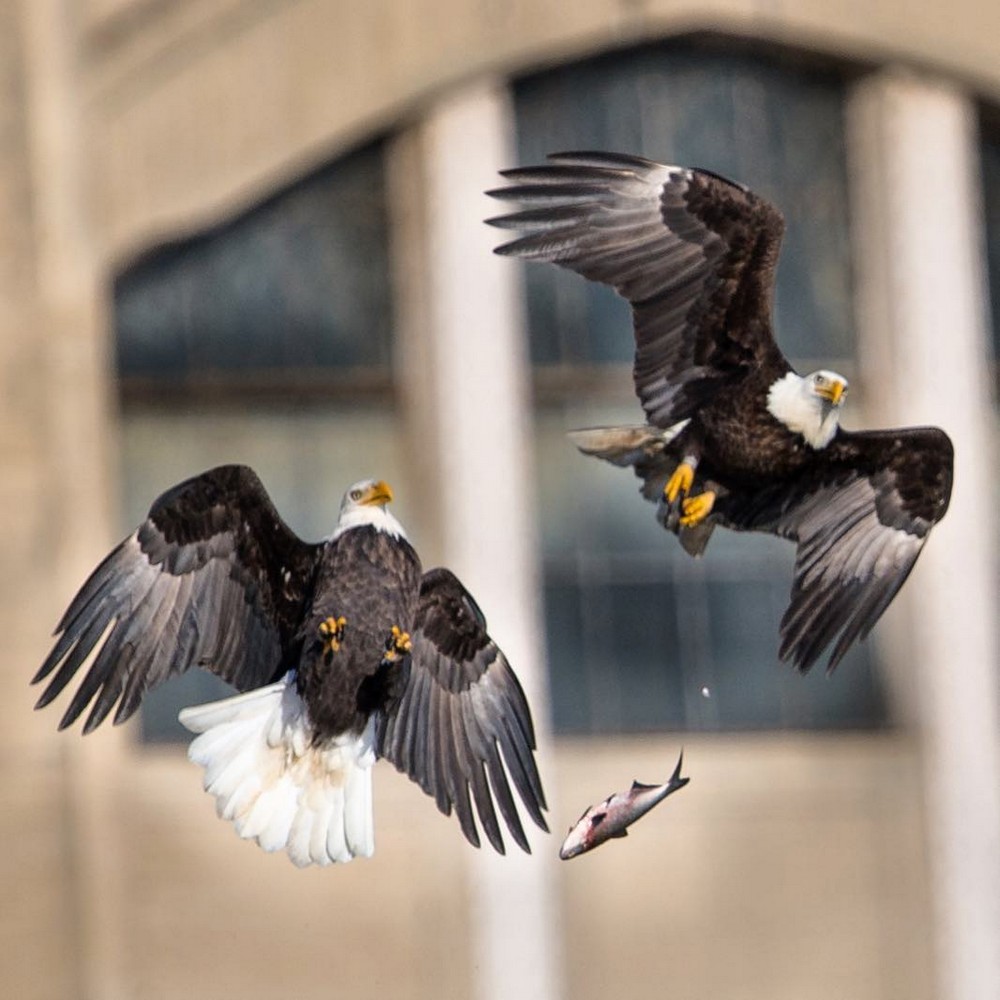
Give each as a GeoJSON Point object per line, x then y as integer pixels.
{"type": "Point", "coordinates": [251, 230]}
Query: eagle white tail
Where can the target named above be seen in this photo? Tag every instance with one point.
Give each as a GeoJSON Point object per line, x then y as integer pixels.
{"type": "Point", "coordinates": [275, 786]}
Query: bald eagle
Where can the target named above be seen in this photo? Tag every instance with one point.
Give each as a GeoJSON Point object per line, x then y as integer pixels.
{"type": "Point", "coordinates": [733, 435]}
{"type": "Point", "coordinates": [344, 651]}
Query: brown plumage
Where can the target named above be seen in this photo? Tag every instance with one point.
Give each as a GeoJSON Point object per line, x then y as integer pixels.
{"type": "Point", "coordinates": [345, 650]}
{"type": "Point", "coordinates": [734, 436]}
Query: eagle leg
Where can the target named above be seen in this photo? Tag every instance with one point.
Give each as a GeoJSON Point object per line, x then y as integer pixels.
{"type": "Point", "coordinates": [331, 631]}
{"type": "Point", "coordinates": [694, 510]}
{"type": "Point", "coordinates": [397, 645]}
{"type": "Point", "coordinates": [681, 481]}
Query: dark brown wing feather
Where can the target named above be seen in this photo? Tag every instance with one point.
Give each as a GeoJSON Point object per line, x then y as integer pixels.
{"type": "Point", "coordinates": [860, 514]}
{"type": "Point", "coordinates": [212, 578]}
{"type": "Point", "coordinates": [693, 253]}
{"type": "Point", "coordinates": [462, 717]}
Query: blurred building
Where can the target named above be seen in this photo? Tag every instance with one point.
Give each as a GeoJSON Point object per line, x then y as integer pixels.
{"type": "Point", "coordinates": [250, 230]}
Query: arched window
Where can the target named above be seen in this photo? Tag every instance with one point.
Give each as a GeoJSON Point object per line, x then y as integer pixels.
{"type": "Point", "coordinates": [641, 636]}
{"type": "Point", "coordinates": [266, 340]}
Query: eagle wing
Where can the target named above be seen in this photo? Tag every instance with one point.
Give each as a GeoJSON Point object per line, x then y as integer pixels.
{"type": "Point", "coordinates": [693, 253]}
{"type": "Point", "coordinates": [462, 710]}
{"type": "Point", "coordinates": [860, 517]}
{"type": "Point", "coordinates": [212, 578]}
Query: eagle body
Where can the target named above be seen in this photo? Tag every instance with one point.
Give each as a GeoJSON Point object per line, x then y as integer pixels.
{"type": "Point", "coordinates": [738, 442]}
{"type": "Point", "coordinates": [342, 652]}
{"type": "Point", "coordinates": [372, 579]}
{"type": "Point", "coordinates": [734, 436]}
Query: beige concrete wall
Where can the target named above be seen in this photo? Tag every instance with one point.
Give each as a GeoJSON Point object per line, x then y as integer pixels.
{"type": "Point", "coordinates": [791, 867]}
{"type": "Point", "coordinates": [196, 108]}
{"type": "Point", "coordinates": [53, 488]}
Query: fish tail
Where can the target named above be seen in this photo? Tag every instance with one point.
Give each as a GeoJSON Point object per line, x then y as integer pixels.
{"type": "Point", "coordinates": [676, 781]}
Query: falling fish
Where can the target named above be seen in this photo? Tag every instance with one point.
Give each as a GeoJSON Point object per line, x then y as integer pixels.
{"type": "Point", "coordinates": [613, 816]}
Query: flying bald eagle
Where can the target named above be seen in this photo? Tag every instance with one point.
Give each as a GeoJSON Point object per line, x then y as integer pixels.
{"type": "Point", "coordinates": [734, 436]}
{"type": "Point", "coordinates": [345, 651]}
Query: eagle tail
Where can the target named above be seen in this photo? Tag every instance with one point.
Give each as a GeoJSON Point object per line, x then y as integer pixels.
{"type": "Point", "coordinates": [275, 786]}
{"type": "Point", "coordinates": [647, 450]}
{"type": "Point", "coordinates": [625, 446]}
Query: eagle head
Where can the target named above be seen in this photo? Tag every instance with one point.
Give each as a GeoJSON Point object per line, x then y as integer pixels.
{"type": "Point", "coordinates": [809, 405]}
{"type": "Point", "coordinates": [830, 387]}
{"type": "Point", "coordinates": [364, 503]}
{"type": "Point", "coordinates": [367, 492]}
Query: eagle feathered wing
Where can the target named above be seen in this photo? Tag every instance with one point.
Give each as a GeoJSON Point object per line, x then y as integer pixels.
{"type": "Point", "coordinates": [860, 519]}
{"type": "Point", "coordinates": [693, 253]}
{"type": "Point", "coordinates": [463, 717]}
{"type": "Point", "coordinates": [212, 578]}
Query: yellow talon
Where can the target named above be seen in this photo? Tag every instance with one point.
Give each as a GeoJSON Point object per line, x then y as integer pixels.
{"type": "Point", "coordinates": [694, 510]}
{"type": "Point", "coordinates": [332, 632]}
{"type": "Point", "coordinates": [679, 483]}
{"type": "Point", "coordinates": [397, 644]}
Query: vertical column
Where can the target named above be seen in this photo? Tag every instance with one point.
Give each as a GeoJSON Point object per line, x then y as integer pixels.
{"type": "Point", "coordinates": [470, 400]}
{"type": "Point", "coordinates": [923, 327]}
{"type": "Point", "coordinates": [36, 939]}
{"type": "Point", "coordinates": [74, 385]}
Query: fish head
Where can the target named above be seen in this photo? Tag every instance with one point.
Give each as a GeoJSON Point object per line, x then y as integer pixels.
{"type": "Point", "coordinates": [575, 842]}
{"type": "Point", "coordinates": [587, 833]}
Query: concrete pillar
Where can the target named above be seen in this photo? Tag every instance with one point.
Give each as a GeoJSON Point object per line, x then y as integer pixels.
{"type": "Point", "coordinates": [72, 384]}
{"type": "Point", "coordinates": [464, 358]}
{"type": "Point", "coordinates": [924, 354]}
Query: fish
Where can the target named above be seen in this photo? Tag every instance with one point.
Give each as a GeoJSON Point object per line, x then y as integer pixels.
{"type": "Point", "coordinates": [612, 817]}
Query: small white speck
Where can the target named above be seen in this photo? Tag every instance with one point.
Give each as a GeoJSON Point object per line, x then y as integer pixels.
{"type": "Point", "coordinates": [705, 693]}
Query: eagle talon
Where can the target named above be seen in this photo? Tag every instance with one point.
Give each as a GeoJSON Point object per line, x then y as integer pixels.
{"type": "Point", "coordinates": [696, 509]}
{"type": "Point", "coordinates": [397, 645]}
{"type": "Point", "coordinates": [331, 631]}
{"type": "Point", "coordinates": [680, 483]}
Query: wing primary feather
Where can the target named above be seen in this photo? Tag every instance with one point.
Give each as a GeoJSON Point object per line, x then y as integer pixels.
{"type": "Point", "coordinates": [85, 643]}
{"type": "Point", "coordinates": [484, 806]}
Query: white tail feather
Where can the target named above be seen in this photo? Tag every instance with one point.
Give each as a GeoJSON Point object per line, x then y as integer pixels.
{"type": "Point", "coordinates": [275, 786]}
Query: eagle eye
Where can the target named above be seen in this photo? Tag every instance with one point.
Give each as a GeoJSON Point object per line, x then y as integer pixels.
{"type": "Point", "coordinates": [356, 494]}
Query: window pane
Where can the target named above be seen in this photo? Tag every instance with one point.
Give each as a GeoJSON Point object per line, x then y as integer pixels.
{"type": "Point", "coordinates": [763, 121]}
{"type": "Point", "coordinates": [298, 282]}
{"type": "Point", "coordinates": [637, 629]}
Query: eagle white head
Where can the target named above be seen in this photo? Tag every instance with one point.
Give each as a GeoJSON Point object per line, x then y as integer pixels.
{"type": "Point", "coordinates": [365, 503]}
{"type": "Point", "coordinates": [809, 404]}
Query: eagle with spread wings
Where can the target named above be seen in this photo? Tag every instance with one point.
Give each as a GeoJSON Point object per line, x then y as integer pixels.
{"type": "Point", "coordinates": [343, 651]}
{"type": "Point", "coordinates": [734, 437]}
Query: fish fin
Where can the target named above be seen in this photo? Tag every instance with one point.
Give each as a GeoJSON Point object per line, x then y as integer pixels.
{"type": "Point", "coordinates": [619, 834]}
{"type": "Point", "coordinates": [638, 786]}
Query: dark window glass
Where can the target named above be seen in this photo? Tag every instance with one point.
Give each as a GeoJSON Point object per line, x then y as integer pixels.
{"type": "Point", "coordinates": [296, 284]}
{"type": "Point", "coordinates": [641, 636]}
{"type": "Point", "coordinates": [763, 122]}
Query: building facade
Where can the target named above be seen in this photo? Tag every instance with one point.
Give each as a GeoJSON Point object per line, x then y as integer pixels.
{"type": "Point", "coordinates": [251, 231]}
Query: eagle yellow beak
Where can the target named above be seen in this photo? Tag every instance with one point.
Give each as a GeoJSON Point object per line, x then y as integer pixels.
{"type": "Point", "coordinates": [834, 392]}
{"type": "Point", "coordinates": [378, 493]}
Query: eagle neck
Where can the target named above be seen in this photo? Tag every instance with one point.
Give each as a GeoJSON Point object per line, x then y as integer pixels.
{"type": "Point", "coordinates": [369, 515]}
